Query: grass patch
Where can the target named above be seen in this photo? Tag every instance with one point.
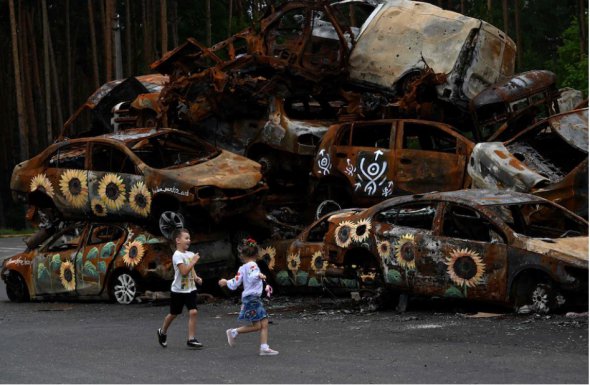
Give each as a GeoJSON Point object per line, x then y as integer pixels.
{"type": "Point", "coordinates": [16, 232]}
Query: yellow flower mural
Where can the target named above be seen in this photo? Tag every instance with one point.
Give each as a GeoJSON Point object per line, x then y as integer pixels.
{"type": "Point", "coordinates": [361, 230]}
{"type": "Point", "coordinates": [67, 275]}
{"type": "Point", "coordinates": [293, 262]}
{"type": "Point", "coordinates": [140, 199]}
{"type": "Point", "coordinates": [42, 183]}
{"type": "Point", "coordinates": [465, 267]}
{"type": "Point", "coordinates": [404, 252]}
{"type": "Point", "coordinates": [111, 190]}
{"type": "Point", "coordinates": [74, 187]}
{"type": "Point", "coordinates": [318, 263]}
{"type": "Point", "coordinates": [343, 234]}
{"type": "Point", "coordinates": [267, 255]}
{"type": "Point", "coordinates": [384, 249]}
{"type": "Point", "coordinates": [98, 207]}
{"type": "Point", "coordinates": [133, 253]}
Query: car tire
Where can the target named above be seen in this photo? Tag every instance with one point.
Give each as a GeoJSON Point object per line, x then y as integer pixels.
{"type": "Point", "coordinates": [534, 294]}
{"type": "Point", "coordinates": [124, 288]}
{"type": "Point", "coordinates": [16, 288]}
{"type": "Point", "coordinates": [168, 221]}
{"type": "Point", "coordinates": [325, 207]}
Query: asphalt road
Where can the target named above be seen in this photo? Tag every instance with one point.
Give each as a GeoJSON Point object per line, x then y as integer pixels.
{"type": "Point", "coordinates": [320, 339]}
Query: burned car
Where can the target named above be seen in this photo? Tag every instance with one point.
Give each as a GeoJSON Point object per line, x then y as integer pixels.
{"type": "Point", "coordinates": [91, 260]}
{"type": "Point", "coordinates": [507, 248]}
{"type": "Point", "coordinates": [362, 163]}
{"type": "Point", "coordinates": [141, 173]}
{"type": "Point", "coordinates": [549, 159]}
{"type": "Point", "coordinates": [95, 116]}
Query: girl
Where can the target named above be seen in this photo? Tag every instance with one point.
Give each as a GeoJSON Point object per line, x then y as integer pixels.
{"type": "Point", "coordinates": [252, 310]}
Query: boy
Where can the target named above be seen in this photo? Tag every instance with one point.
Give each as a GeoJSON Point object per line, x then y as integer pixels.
{"type": "Point", "coordinates": [183, 291]}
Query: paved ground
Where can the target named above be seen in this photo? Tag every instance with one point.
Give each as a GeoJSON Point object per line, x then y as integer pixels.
{"type": "Point", "coordinates": [320, 339]}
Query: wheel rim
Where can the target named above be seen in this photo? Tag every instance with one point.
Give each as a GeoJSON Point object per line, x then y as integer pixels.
{"type": "Point", "coordinates": [125, 289]}
{"type": "Point", "coordinates": [325, 207]}
{"type": "Point", "coordinates": [540, 299]}
{"type": "Point", "coordinates": [170, 221]}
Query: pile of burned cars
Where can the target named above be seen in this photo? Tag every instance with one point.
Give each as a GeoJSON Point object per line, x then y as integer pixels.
{"type": "Point", "coordinates": [331, 105]}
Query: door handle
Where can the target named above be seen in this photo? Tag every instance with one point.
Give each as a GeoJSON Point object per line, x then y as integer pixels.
{"type": "Point", "coordinates": [405, 161]}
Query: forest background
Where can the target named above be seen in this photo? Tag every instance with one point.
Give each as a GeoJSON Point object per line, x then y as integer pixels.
{"type": "Point", "coordinates": [57, 52]}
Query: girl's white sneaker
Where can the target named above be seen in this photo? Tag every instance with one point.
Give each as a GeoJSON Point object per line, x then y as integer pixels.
{"type": "Point", "coordinates": [268, 352]}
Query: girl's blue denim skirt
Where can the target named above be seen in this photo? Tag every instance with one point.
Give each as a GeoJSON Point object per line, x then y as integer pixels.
{"type": "Point", "coordinates": [252, 309]}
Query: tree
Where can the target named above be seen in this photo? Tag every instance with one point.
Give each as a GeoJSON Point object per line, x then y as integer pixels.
{"type": "Point", "coordinates": [24, 142]}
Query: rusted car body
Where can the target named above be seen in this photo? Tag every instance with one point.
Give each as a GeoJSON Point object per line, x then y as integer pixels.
{"type": "Point", "coordinates": [501, 247]}
{"type": "Point", "coordinates": [95, 117]}
{"type": "Point", "coordinates": [549, 159]}
{"type": "Point", "coordinates": [140, 173]}
{"type": "Point", "coordinates": [362, 163]}
{"type": "Point", "coordinates": [91, 259]}
{"type": "Point", "coordinates": [503, 109]}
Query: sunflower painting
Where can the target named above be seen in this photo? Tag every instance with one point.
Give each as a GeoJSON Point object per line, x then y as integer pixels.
{"type": "Point", "coordinates": [293, 262]}
{"type": "Point", "coordinates": [343, 234]}
{"type": "Point", "coordinates": [318, 263]}
{"type": "Point", "coordinates": [42, 183]}
{"type": "Point", "coordinates": [140, 199]}
{"type": "Point", "coordinates": [384, 250]}
{"type": "Point", "coordinates": [67, 276]}
{"type": "Point", "coordinates": [98, 207]}
{"type": "Point", "coordinates": [405, 252]}
{"type": "Point", "coordinates": [74, 187]}
{"type": "Point", "coordinates": [465, 267]}
{"type": "Point", "coordinates": [361, 230]}
{"type": "Point", "coordinates": [267, 255]}
{"type": "Point", "coordinates": [133, 253]}
{"type": "Point", "coordinates": [111, 190]}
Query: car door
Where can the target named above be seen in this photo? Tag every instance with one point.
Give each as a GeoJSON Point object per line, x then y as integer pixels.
{"type": "Point", "coordinates": [366, 160]}
{"type": "Point", "coordinates": [470, 258]}
{"type": "Point", "coordinates": [116, 187]}
{"type": "Point", "coordinates": [403, 241]}
{"type": "Point", "coordinates": [101, 245]}
{"type": "Point", "coordinates": [67, 173]}
{"type": "Point", "coordinates": [430, 157]}
{"type": "Point", "coordinates": [54, 267]}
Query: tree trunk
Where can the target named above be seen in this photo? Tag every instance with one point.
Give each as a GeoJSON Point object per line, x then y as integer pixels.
{"type": "Point", "coordinates": [583, 26]}
{"type": "Point", "coordinates": [174, 11]}
{"type": "Point", "coordinates": [164, 25]}
{"type": "Point", "coordinates": [47, 73]}
{"type": "Point", "coordinates": [128, 44]}
{"type": "Point", "coordinates": [518, 34]}
{"type": "Point", "coordinates": [108, 39]}
{"type": "Point", "coordinates": [229, 21]}
{"type": "Point", "coordinates": [462, 7]}
{"type": "Point", "coordinates": [37, 91]}
{"type": "Point", "coordinates": [20, 110]}
{"type": "Point", "coordinates": [208, 21]}
{"type": "Point", "coordinates": [93, 44]}
{"type": "Point", "coordinates": [489, 8]}
{"type": "Point", "coordinates": [56, 93]}
{"type": "Point", "coordinates": [146, 33]}
{"type": "Point", "coordinates": [505, 15]}
{"type": "Point", "coordinates": [28, 86]}
{"type": "Point", "coordinates": [69, 80]}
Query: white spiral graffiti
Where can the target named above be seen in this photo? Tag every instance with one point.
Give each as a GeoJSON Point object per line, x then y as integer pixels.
{"type": "Point", "coordinates": [324, 162]}
{"type": "Point", "coordinates": [373, 172]}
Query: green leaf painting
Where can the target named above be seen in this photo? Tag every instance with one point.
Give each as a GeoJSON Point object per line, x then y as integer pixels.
{"type": "Point", "coordinates": [89, 270]}
{"type": "Point", "coordinates": [107, 250]}
{"type": "Point", "coordinates": [140, 238]}
{"type": "Point", "coordinates": [283, 278]}
{"type": "Point", "coordinates": [453, 292]}
{"type": "Point", "coordinates": [101, 266]}
{"type": "Point", "coordinates": [394, 277]}
{"type": "Point", "coordinates": [155, 240]}
{"type": "Point", "coordinates": [313, 282]}
{"type": "Point", "coordinates": [301, 278]}
{"type": "Point", "coordinates": [55, 262]}
{"type": "Point", "coordinates": [349, 283]}
{"type": "Point", "coordinates": [42, 272]}
{"type": "Point", "coordinates": [92, 254]}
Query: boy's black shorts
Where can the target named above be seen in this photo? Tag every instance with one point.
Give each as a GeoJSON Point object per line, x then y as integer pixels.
{"type": "Point", "coordinates": [179, 300]}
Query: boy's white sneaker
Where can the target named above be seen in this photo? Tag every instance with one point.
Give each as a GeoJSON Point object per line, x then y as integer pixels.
{"type": "Point", "coordinates": [231, 340]}
{"type": "Point", "coordinates": [268, 352]}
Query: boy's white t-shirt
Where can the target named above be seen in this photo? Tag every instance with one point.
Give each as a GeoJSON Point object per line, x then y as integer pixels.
{"type": "Point", "coordinates": [182, 283]}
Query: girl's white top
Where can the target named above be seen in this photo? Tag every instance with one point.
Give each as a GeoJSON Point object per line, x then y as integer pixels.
{"type": "Point", "coordinates": [249, 275]}
{"type": "Point", "coordinates": [183, 283]}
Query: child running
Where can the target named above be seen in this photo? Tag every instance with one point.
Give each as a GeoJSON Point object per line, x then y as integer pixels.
{"type": "Point", "coordinates": [252, 310]}
{"type": "Point", "coordinates": [183, 291]}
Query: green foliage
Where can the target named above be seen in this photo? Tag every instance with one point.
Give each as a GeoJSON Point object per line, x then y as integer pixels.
{"type": "Point", "coordinates": [572, 64]}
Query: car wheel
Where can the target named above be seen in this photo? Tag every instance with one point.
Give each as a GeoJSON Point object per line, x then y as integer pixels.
{"type": "Point", "coordinates": [16, 288]}
{"type": "Point", "coordinates": [169, 221]}
{"type": "Point", "coordinates": [124, 288]}
{"type": "Point", "coordinates": [535, 296]}
{"type": "Point", "coordinates": [325, 207]}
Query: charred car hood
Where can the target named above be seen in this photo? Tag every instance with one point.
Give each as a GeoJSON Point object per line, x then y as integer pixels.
{"type": "Point", "coordinates": [227, 171]}
{"type": "Point", "coordinates": [573, 250]}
